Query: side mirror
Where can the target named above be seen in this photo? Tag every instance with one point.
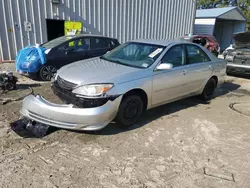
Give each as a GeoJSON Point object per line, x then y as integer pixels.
{"type": "Point", "coordinates": [164, 66]}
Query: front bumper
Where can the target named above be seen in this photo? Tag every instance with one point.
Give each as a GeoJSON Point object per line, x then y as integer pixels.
{"type": "Point", "coordinates": [238, 69]}
{"type": "Point", "coordinates": [64, 116]}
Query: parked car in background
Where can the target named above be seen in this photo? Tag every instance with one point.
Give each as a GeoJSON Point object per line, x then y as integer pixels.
{"type": "Point", "coordinates": [208, 41]}
{"type": "Point", "coordinates": [228, 50]}
{"type": "Point", "coordinates": [60, 52]}
{"type": "Point", "coordinates": [121, 84]}
{"type": "Point", "coordinates": [238, 57]}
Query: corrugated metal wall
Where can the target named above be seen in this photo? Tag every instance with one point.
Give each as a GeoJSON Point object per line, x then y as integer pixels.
{"type": "Point", "coordinates": [122, 19]}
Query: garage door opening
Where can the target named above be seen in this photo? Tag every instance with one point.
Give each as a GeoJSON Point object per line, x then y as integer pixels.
{"type": "Point", "coordinates": [55, 28]}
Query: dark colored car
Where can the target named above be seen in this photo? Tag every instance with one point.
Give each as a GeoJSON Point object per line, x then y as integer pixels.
{"type": "Point", "coordinates": [67, 49]}
{"type": "Point", "coordinates": [238, 57]}
{"type": "Point", "coordinates": [208, 41]}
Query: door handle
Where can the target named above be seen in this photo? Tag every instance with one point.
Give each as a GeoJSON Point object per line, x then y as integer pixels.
{"type": "Point", "coordinates": [184, 72]}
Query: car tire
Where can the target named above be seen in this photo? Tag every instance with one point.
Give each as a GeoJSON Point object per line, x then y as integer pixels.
{"type": "Point", "coordinates": [129, 111]}
{"type": "Point", "coordinates": [208, 91]}
{"type": "Point", "coordinates": [47, 72]}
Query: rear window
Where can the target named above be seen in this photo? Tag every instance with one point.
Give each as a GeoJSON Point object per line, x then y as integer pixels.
{"type": "Point", "coordinates": [99, 43]}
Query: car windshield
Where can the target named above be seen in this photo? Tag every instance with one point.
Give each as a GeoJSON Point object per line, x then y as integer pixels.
{"type": "Point", "coordinates": [135, 54]}
{"type": "Point", "coordinates": [55, 42]}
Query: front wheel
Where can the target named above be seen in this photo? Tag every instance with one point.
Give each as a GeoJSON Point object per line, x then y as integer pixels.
{"type": "Point", "coordinates": [47, 72]}
{"type": "Point", "coordinates": [208, 91]}
{"type": "Point", "coordinates": [130, 110]}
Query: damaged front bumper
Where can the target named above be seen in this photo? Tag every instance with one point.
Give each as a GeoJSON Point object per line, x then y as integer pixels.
{"type": "Point", "coordinates": [38, 109]}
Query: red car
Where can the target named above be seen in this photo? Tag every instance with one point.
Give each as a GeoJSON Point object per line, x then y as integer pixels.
{"type": "Point", "coordinates": [208, 41]}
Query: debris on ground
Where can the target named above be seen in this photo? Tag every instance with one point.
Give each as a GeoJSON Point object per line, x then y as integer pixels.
{"type": "Point", "coordinates": [25, 126]}
{"type": "Point", "coordinates": [7, 81]}
{"type": "Point", "coordinates": [219, 174]}
{"type": "Point", "coordinates": [7, 100]}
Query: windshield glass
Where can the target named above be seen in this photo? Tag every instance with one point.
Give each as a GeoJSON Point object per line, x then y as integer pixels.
{"type": "Point", "coordinates": [55, 42]}
{"type": "Point", "coordinates": [135, 54]}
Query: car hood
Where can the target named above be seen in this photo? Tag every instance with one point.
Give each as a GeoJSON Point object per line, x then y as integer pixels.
{"type": "Point", "coordinates": [97, 70]}
{"type": "Point", "coordinates": [242, 40]}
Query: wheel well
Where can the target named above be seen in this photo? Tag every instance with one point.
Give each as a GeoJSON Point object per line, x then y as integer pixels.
{"type": "Point", "coordinates": [215, 78]}
{"type": "Point", "coordinates": [141, 93]}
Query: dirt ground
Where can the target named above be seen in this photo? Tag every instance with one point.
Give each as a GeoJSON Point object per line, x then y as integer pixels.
{"type": "Point", "coordinates": [184, 144]}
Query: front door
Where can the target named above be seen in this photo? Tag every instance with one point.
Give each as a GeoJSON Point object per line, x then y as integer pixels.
{"type": "Point", "coordinates": [169, 85]}
{"type": "Point", "coordinates": [72, 51]}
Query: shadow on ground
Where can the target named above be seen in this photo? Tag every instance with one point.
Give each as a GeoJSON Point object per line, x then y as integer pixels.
{"type": "Point", "coordinates": [147, 117]}
{"type": "Point", "coordinates": [26, 86]}
{"type": "Point", "coordinates": [168, 109]}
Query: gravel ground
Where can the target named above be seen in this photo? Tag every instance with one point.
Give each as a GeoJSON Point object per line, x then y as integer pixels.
{"type": "Point", "coordinates": [183, 144]}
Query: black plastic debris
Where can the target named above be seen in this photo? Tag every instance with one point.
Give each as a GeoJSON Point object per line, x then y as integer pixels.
{"type": "Point", "coordinates": [28, 128]}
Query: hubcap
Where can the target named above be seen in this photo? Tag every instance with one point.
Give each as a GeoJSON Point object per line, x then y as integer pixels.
{"type": "Point", "coordinates": [48, 72]}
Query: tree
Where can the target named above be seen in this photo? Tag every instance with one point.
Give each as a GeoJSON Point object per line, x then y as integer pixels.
{"type": "Point", "coordinates": [244, 6]}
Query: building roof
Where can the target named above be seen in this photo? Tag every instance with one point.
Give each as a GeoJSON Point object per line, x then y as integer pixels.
{"type": "Point", "coordinates": [228, 13]}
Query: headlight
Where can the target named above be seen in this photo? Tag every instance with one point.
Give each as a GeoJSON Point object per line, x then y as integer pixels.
{"type": "Point", "coordinates": [92, 90]}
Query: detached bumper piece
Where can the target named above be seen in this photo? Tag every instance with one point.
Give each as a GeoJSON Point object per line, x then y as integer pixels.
{"type": "Point", "coordinates": [38, 109]}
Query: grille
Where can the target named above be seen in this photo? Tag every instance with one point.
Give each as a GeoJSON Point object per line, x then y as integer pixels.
{"type": "Point", "coordinates": [65, 84]}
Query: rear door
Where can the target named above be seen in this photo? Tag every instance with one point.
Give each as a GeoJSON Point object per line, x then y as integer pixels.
{"type": "Point", "coordinates": [78, 50]}
{"type": "Point", "coordinates": [98, 46]}
{"type": "Point", "coordinates": [199, 69]}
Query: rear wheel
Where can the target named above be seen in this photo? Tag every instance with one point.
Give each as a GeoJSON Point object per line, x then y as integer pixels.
{"type": "Point", "coordinates": [47, 72]}
{"type": "Point", "coordinates": [130, 110]}
{"type": "Point", "coordinates": [208, 91]}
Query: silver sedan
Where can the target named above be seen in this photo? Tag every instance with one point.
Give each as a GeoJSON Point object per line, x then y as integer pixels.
{"type": "Point", "coordinates": [120, 85]}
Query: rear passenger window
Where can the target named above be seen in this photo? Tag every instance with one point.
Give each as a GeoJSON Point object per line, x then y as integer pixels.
{"type": "Point", "coordinates": [99, 43]}
{"type": "Point", "coordinates": [196, 55]}
{"type": "Point", "coordinates": [83, 44]}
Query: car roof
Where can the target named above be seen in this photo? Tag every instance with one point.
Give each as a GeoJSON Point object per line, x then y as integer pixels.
{"type": "Point", "coordinates": [88, 35]}
{"type": "Point", "coordinates": [162, 42]}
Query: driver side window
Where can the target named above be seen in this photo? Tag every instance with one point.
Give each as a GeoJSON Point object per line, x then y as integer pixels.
{"type": "Point", "coordinates": [68, 46]}
{"type": "Point", "coordinates": [175, 56]}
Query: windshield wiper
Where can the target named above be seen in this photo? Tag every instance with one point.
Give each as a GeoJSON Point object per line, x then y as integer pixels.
{"type": "Point", "coordinates": [119, 62]}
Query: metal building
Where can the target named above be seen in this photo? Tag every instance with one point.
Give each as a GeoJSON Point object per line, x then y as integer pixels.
{"type": "Point", "coordinates": [25, 22]}
{"type": "Point", "coordinates": [221, 23]}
